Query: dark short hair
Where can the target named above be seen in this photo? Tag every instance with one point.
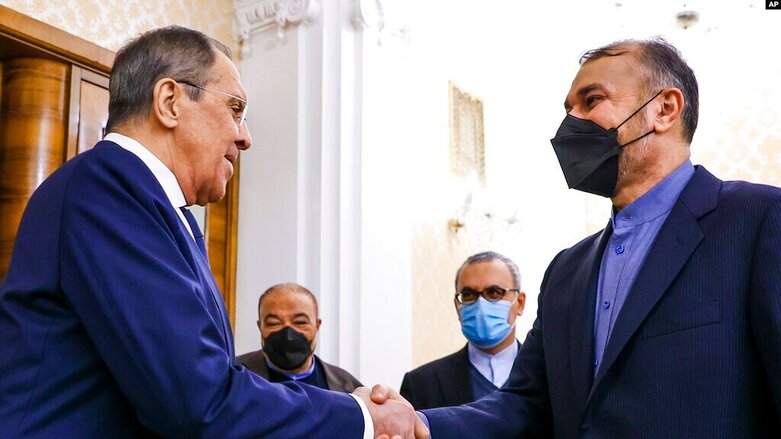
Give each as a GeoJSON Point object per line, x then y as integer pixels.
{"type": "Point", "coordinates": [487, 257]}
{"type": "Point", "coordinates": [664, 67]}
{"type": "Point", "coordinates": [290, 286]}
{"type": "Point", "coordinates": [169, 52]}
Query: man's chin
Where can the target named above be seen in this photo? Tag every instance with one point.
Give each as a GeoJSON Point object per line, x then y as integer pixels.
{"type": "Point", "coordinates": [216, 198]}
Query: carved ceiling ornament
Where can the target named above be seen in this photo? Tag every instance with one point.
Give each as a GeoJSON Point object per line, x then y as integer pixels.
{"type": "Point", "coordinates": [253, 16]}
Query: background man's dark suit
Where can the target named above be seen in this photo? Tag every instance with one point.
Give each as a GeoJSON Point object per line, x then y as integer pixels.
{"type": "Point", "coordinates": [443, 382]}
{"type": "Point", "coordinates": [440, 383]}
{"type": "Point", "coordinates": [337, 378]}
{"type": "Point", "coordinates": [696, 349]}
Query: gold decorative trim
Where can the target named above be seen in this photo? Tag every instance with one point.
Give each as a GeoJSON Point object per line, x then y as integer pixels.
{"type": "Point", "coordinates": [467, 141]}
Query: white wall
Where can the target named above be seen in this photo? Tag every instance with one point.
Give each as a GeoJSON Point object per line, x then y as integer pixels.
{"type": "Point", "coordinates": [312, 199]}
{"type": "Point", "coordinates": [268, 194]}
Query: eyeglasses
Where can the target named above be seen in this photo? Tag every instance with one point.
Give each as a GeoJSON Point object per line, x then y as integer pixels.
{"type": "Point", "coordinates": [468, 295]}
{"type": "Point", "coordinates": [239, 109]}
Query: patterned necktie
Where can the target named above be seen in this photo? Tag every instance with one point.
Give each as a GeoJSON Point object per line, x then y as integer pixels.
{"type": "Point", "coordinates": [199, 240]}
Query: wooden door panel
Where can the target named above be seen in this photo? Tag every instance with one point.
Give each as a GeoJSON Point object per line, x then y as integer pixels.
{"type": "Point", "coordinates": [93, 115]}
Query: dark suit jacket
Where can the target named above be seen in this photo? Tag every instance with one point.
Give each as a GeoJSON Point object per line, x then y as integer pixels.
{"type": "Point", "coordinates": [440, 383]}
{"type": "Point", "coordinates": [111, 324]}
{"type": "Point", "coordinates": [695, 351]}
{"type": "Point", "coordinates": [337, 378]}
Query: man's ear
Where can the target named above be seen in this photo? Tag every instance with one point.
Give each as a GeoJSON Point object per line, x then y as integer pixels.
{"type": "Point", "coordinates": [319, 321]}
{"type": "Point", "coordinates": [166, 105]}
{"type": "Point", "coordinates": [455, 303]}
{"type": "Point", "coordinates": [521, 302]}
{"type": "Point", "coordinates": [670, 109]}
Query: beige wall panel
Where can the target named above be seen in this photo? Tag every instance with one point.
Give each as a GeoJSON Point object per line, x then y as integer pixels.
{"type": "Point", "coordinates": [109, 23]}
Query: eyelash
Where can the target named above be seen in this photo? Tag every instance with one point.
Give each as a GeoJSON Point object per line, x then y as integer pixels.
{"type": "Point", "coordinates": [591, 100]}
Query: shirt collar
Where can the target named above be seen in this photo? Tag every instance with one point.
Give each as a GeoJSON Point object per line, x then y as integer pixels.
{"type": "Point", "coordinates": [478, 357]}
{"type": "Point", "coordinates": [658, 201]}
{"type": "Point", "coordinates": [162, 174]}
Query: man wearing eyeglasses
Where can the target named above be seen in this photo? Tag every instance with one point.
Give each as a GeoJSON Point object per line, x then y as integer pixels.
{"type": "Point", "coordinates": [488, 300]}
{"type": "Point", "coordinates": [111, 322]}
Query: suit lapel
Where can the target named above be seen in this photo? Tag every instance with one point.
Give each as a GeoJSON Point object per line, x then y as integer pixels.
{"type": "Point", "coordinates": [207, 280]}
{"type": "Point", "coordinates": [677, 240]}
{"type": "Point", "coordinates": [581, 329]}
{"type": "Point", "coordinates": [455, 381]}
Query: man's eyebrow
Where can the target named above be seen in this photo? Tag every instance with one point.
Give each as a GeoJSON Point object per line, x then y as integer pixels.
{"type": "Point", "coordinates": [583, 91]}
{"type": "Point", "coordinates": [238, 100]}
{"type": "Point", "coordinates": [295, 316]}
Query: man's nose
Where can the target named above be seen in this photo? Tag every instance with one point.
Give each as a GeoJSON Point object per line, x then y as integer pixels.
{"type": "Point", "coordinates": [244, 141]}
{"type": "Point", "coordinates": [576, 112]}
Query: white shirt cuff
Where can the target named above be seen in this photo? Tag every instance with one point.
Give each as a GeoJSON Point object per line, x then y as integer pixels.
{"type": "Point", "coordinates": [368, 425]}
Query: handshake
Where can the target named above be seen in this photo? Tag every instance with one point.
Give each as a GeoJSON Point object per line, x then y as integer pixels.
{"type": "Point", "coordinates": [392, 415]}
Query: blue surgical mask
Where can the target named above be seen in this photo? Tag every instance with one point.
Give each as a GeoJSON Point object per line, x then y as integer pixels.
{"type": "Point", "coordinates": [484, 323]}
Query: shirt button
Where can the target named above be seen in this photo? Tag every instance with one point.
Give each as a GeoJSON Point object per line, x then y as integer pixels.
{"type": "Point", "coordinates": [606, 304]}
{"type": "Point", "coordinates": [619, 249]}
{"type": "Point", "coordinates": [596, 363]}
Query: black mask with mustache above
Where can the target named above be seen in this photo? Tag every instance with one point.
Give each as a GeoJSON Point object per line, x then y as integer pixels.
{"type": "Point", "coordinates": [588, 154]}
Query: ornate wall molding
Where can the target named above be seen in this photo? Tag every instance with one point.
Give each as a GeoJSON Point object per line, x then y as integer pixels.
{"type": "Point", "coordinates": [366, 14]}
{"type": "Point", "coordinates": [253, 16]}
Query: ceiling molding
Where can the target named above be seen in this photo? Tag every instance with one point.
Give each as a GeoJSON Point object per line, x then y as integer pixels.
{"type": "Point", "coordinates": [254, 16]}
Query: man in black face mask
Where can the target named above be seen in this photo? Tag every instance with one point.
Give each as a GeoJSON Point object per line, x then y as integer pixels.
{"type": "Point", "coordinates": [288, 321]}
{"type": "Point", "coordinates": [668, 322]}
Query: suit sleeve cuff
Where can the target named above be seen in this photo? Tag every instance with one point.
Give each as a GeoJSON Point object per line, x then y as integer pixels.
{"type": "Point", "coordinates": [368, 425]}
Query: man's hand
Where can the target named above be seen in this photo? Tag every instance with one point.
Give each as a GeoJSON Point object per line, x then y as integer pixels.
{"type": "Point", "coordinates": [393, 416]}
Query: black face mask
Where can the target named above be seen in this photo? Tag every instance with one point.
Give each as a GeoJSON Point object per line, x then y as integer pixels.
{"type": "Point", "coordinates": [287, 348]}
{"type": "Point", "coordinates": [588, 154]}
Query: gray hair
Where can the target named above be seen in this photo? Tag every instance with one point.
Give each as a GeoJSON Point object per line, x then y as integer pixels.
{"type": "Point", "coordinates": [664, 67]}
{"type": "Point", "coordinates": [170, 52]}
{"type": "Point", "coordinates": [491, 256]}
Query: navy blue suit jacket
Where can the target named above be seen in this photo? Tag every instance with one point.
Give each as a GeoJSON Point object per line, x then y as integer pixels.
{"type": "Point", "coordinates": [695, 351]}
{"type": "Point", "coordinates": [111, 324]}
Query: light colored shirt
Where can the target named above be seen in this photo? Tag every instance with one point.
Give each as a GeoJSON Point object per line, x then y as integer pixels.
{"type": "Point", "coordinates": [495, 368]}
{"type": "Point", "coordinates": [173, 191]}
{"type": "Point", "coordinates": [634, 230]}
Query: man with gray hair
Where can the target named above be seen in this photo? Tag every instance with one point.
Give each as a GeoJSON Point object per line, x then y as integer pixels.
{"type": "Point", "coordinates": [111, 323]}
{"type": "Point", "coordinates": [488, 300]}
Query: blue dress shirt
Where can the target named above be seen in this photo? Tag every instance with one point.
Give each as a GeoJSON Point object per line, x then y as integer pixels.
{"type": "Point", "coordinates": [494, 367]}
{"type": "Point", "coordinates": [634, 230]}
{"type": "Point", "coordinates": [293, 376]}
